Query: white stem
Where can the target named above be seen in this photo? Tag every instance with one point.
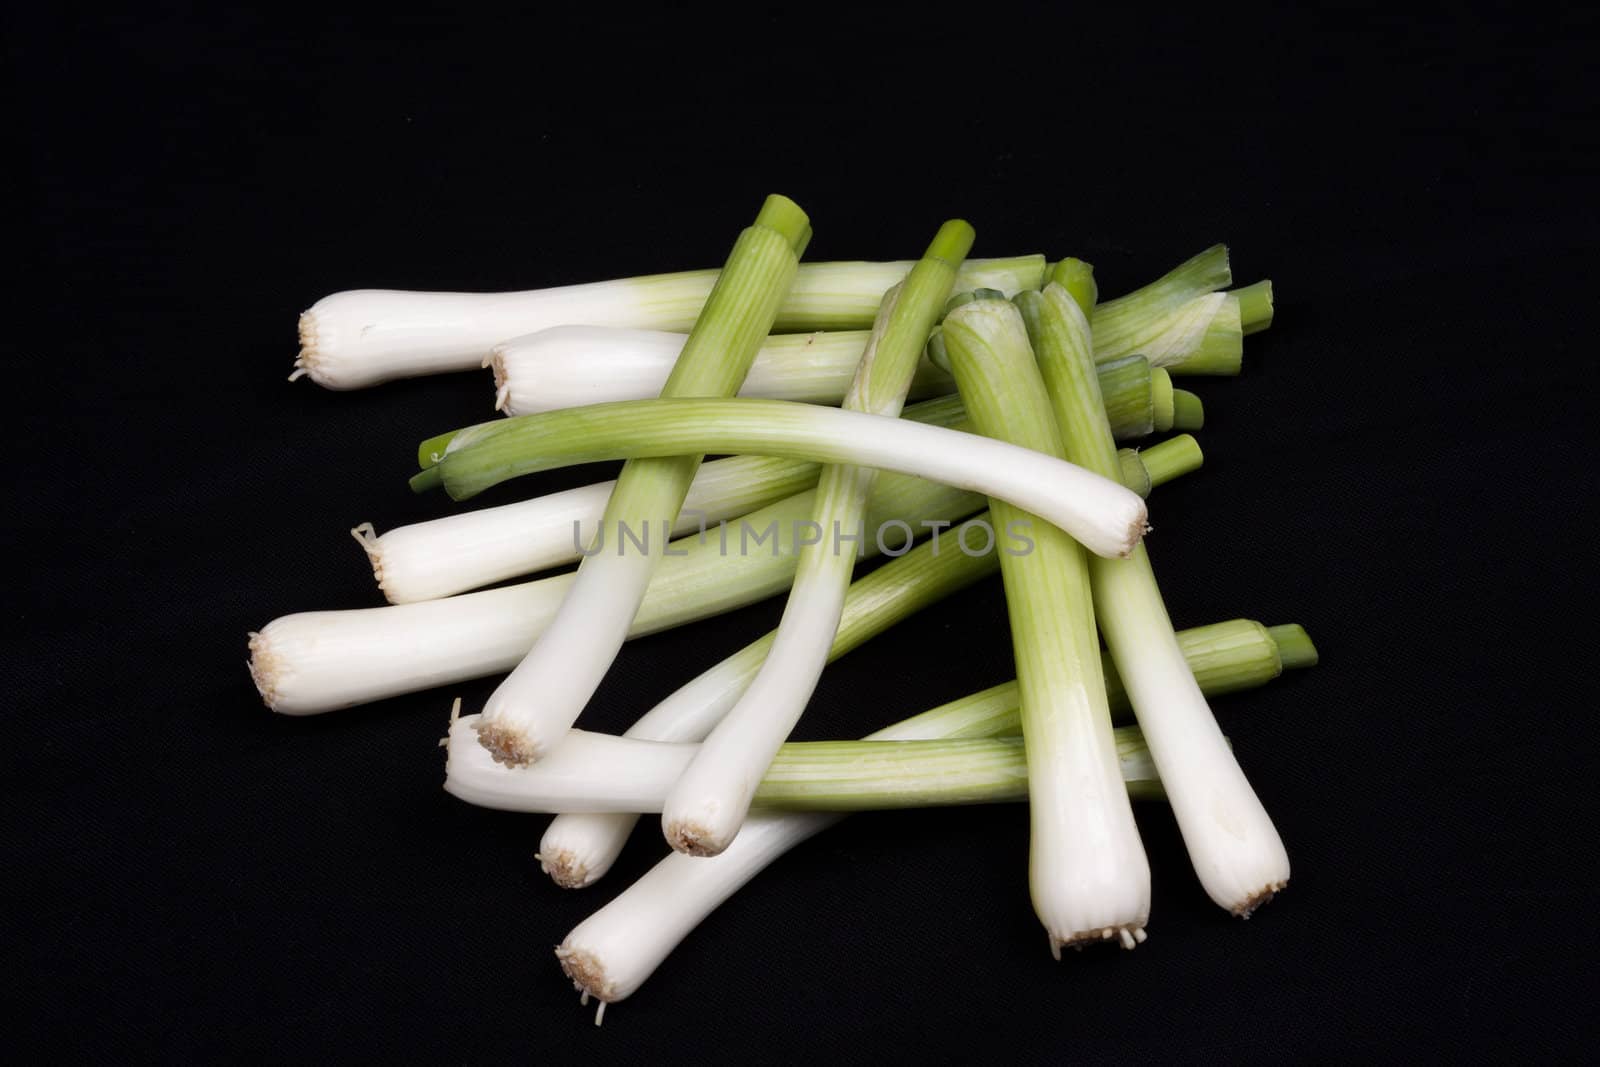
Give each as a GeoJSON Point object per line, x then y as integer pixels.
{"type": "Point", "coordinates": [1235, 849]}
{"type": "Point", "coordinates": [1102, 515]}
{"type": "Point", "coordinates": [544, 694]}
{"type": "Point", "coordinates": [583, 772]}
{"type": "Point", "coordinates": [710, 801]}
{"type": "Point", "coordinates": [569, 366]}
{"type": "Point", "coordinates": [610, 954]}
{"type": "Point", "coordinates": [472, 549]}
{"type": "Point", "coordinates": [317, 661]}
{"type": "Point", "coordinates": [366, 336]}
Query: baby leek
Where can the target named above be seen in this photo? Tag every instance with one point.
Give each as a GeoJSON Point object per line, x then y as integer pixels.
{"type": "Point", "coordinates": [363, 337]}
{"type": "Point", "coordinates": [704, 809]}
{"type": "Point", "coordinates": [1235, 849]}
{"type": "Point", "coordinates": [472, 549]}
{"type": "Point", "coordinates": [1100, 514]}
{"type": "Point", "coordinates": [570, 366]}
{"type": "Point", "coordinates": [597, 773]}
{"type": "Point", "coordinates": [542, 697]}
{"type": "Point", "coordinates": [1088, 875]}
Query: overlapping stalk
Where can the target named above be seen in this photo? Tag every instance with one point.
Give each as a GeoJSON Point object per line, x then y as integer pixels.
{"type": "Point", "coordinates": [543, 696]}
{"type": "Point", "coordinates": [1088, 875]}
{"type": "Point", "coordinates": [614, 951]}
{"type": "Point", "coordinates": [707, 804]}
{"type": "Point", "coordinates": [1235, 848]}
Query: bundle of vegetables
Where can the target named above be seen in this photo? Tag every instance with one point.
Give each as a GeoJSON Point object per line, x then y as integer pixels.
{"type": "Point", "coordinates": [800, 375]}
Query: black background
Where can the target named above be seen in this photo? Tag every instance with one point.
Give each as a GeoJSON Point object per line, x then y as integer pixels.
{"type": "Point", "coordinates": [1402, 468]}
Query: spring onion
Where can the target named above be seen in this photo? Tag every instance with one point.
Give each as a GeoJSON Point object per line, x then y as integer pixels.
{"type": "Point", "coordinates": [570, 366]}
{"type": "Point", "coordinates": [598, 774]}
{"type": "Point", "coordinates": [471, 549]}
{"type": "Point", "coordinates": [366, 336]}
{"type": "Point", "coordinates": [1087, 871]}
{"type": "Point", "coordinates": [1099, 513]}
{"type": "Point", "coordinates": [1232, 843]}
{"type": "Point", "coordinates": [545, 693]}
{"type": "Point", "coordinates": [449, 555]}
{"type": "Point", "coordinates": [614, 951]}
{"type": "Point", "coordinates": [704, 809]}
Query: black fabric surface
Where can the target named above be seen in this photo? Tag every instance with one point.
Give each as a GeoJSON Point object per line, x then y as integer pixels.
{"type": "Point", "coordinates": [1403, 468]}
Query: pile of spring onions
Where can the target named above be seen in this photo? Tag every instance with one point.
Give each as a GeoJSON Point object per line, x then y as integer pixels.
{"type": "Point", "coordinates": [958, 416]}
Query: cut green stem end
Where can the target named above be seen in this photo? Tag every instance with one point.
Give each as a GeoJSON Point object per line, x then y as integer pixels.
{"type": "Point", "coordinates": [952, 242]}
{"type": "Point", "coordinates": [1188, 413]}
{"type": "Point", "coordinates": [1255, 306]}
{"type": "Point", "coordinates": [785, 217]}
{"type": "Point", "coordinates": [427, 480]}
{"type": "Point", "coordinates": [1295, 649]}
{"type": "Point", "coordinates": [1171, 458]}
{"type": "Point", "coordinates": [1077, 278]}
{"type": "Point", "coordinates": [1161, 399]}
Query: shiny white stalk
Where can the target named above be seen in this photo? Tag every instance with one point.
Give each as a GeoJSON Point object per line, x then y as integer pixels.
{"type": "Point", "coordinates": [709, 802]}
{"type": "Point", "coordinates": [362, 337]}
{"type": "Point", "coordinates": [568, 366]}
{"type": "Point", "coordinates": [472, 549]}
{"type": "Point", "coordinates": [1100, 514]}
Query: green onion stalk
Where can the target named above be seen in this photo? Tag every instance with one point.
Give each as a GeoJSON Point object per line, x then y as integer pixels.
{"type": "Point", "coordinates": [1088, 875]}
{"type": "Point", "coordinates": [1235, 849]}
{"type": "Point", "coordinates": [708, 803]}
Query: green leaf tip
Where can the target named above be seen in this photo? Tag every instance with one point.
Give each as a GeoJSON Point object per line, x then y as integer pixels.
{"type": "Point", "coordinates": [787, 219]}
{"type": "Point", "coordinates": [429, 452]}
{"type": "Point", "coordinates": [1188, 413]}
{"type": "Point", "coordinates": [1255, 306]}
{"type": "Point", "coordinates": [952, 242]}
{"type": "Point", "coordinates": [427, 480]}
{"type": "Point", "coordinates": [1172, 458]}
{"type": "Point", "coordinates": [1294, 645]}
{"type": "Point", "coordinates": [1077, 278]}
